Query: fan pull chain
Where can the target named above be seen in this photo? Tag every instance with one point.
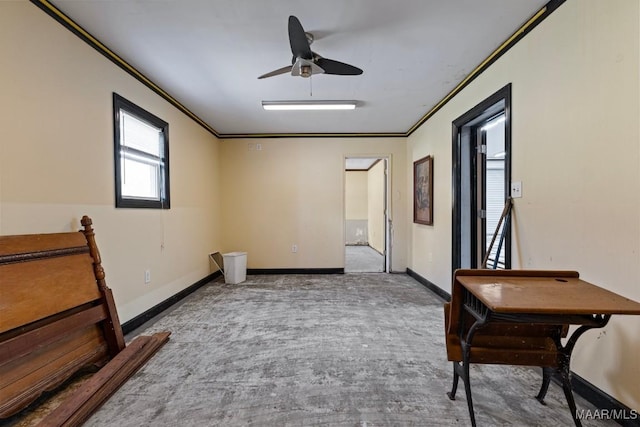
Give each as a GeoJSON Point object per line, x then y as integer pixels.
{"type": "Point", "coordinates": [310, 85]}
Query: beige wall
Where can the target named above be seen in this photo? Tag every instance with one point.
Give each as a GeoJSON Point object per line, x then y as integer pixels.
{"type": "Point", "coordinates": [375, 189]}
{"type": "Point", "coordinates": [56, 161]}
{"type": "Point", "coordinates": [292, 192]}
{"type": "Point", "coordinates": [576, 149]}
{"type": "Point", "coordinates": [356, 195]}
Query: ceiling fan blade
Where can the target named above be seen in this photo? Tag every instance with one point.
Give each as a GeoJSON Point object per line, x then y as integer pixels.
{"type": "Point", "coordinates": [336, 67]}
{"type": "Point", "coordinates": [298, 39]}
{"type": "Point", "coordinates": [279, 71]}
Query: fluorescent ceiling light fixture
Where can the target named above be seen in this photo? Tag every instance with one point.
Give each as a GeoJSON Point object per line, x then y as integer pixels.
{"type": "Point", "coordinates": [309, 105]}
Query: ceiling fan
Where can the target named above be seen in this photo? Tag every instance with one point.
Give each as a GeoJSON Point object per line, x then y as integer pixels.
{"type": "Point", "coordinates": [306, 62]}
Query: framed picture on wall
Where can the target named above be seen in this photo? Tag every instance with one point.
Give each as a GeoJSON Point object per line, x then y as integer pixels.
{"type": "Point", "coordinates": [423, 191]}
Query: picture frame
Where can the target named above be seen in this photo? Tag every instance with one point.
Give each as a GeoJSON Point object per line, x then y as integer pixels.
{"type": "Point", "coordinates": [423, 191]}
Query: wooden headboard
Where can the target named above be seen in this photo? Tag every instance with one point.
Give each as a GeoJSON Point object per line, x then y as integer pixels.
{"type": "Point", "coordinates": [57, 315]}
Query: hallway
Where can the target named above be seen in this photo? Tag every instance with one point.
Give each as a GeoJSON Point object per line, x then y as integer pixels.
{"type": "Point", "coordinates": [363, 259]}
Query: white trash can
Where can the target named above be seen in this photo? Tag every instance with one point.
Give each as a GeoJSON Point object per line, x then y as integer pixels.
{"type": "Point", "coordinates": [235, 267]}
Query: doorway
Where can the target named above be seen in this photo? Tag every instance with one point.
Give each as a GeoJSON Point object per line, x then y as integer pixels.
{"type": "Point", "coordinates": [481, 177]}
{"type": "Point", "coordinates": [366, 215]}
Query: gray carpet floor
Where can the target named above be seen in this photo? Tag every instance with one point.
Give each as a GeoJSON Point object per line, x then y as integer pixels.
{"type": "Point", "coordinates": [363, 259]}
{"type": "Point", "coordinates": [316, 350]}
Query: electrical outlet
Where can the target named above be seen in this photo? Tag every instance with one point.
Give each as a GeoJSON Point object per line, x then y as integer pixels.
{"type": "Point", "coordinates": [147, 276]}
{"type": "Point", "coordinates": [294, 248]}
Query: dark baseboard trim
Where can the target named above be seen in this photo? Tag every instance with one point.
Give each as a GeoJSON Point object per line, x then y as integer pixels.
{"type": "Point", "coordinates": [622, 414]}
{"type": "Point", "coordinates": [140, 319]}
{"type": "Point", "coordinates": [295, 271]}
{"type": "Point", "coordinates": [431, 286]}
{"type": "Point", "coordinates": [616, 410]}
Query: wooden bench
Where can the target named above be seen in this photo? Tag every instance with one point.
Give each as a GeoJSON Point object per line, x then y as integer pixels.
{"type": "Point", "coordinates": [57, 317]}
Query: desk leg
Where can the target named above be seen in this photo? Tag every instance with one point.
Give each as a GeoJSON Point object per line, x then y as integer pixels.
{"type": "Point", "coordinates": [565, 374]}
{"type": "Point", "coordinates": [467, 383]}
{"type": "Point", "coordinates": [565, 361]}
{"type": "Point", "coordinates": [456, 376]}
{"type": "Point", "coordinates": [546, 379]}
{"type": "Point", "coordinates": [470, 307]}
{"type": "Point", "coordinates": [462, 370]}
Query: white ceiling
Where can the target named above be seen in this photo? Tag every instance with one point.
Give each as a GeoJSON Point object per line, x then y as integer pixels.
{"type": "Point", "coordinates": [207, 54]}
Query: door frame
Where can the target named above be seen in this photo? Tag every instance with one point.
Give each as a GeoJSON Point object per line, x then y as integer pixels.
{"type": "Point", "coordinates": [388, 221]}
{"type": "Point", "coordinates": [500, 100]}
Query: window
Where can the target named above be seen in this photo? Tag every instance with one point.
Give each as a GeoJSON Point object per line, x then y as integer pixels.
{"type": "Point", "coordinates": [493, 137]}
{"type": "Point", "coordinates": [141, 147]}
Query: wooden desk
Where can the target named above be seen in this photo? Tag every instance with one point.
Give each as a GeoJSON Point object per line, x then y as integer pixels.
{"type": "Point", "coordinates": [546, 295]}
{"type": "Point", "coordinates": [534, 297]}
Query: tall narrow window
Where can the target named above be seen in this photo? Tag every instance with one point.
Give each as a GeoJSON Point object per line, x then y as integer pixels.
{"type": "Point", "coordinates": [493, 138]}
{"type": "Point", "coordinates": [141, 146]}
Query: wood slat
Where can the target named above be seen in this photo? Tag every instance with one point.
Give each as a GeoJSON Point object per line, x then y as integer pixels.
{"type": "Point", "coordinates": [20, 244]}
{"type": "Point", "coordinates": [506, 343]}
{"type": "Point", "coordinates": [77, 408]}
{"type": "Point", "coordinates": [33, 256]}
{"type": "Point", "coordinates": [39, 289]}
{"type": "Point", "coordinates": [20, 393]}
{"type": "Point", "coordinates": [37, 339]}
{"type": "Point", "coordinates": [36, 361]}
{"type": "Point", "coordinates": [493, 356]}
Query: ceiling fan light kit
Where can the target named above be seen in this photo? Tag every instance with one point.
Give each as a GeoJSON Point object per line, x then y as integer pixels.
{"type": "Point", "coordinates": [309, 105]}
